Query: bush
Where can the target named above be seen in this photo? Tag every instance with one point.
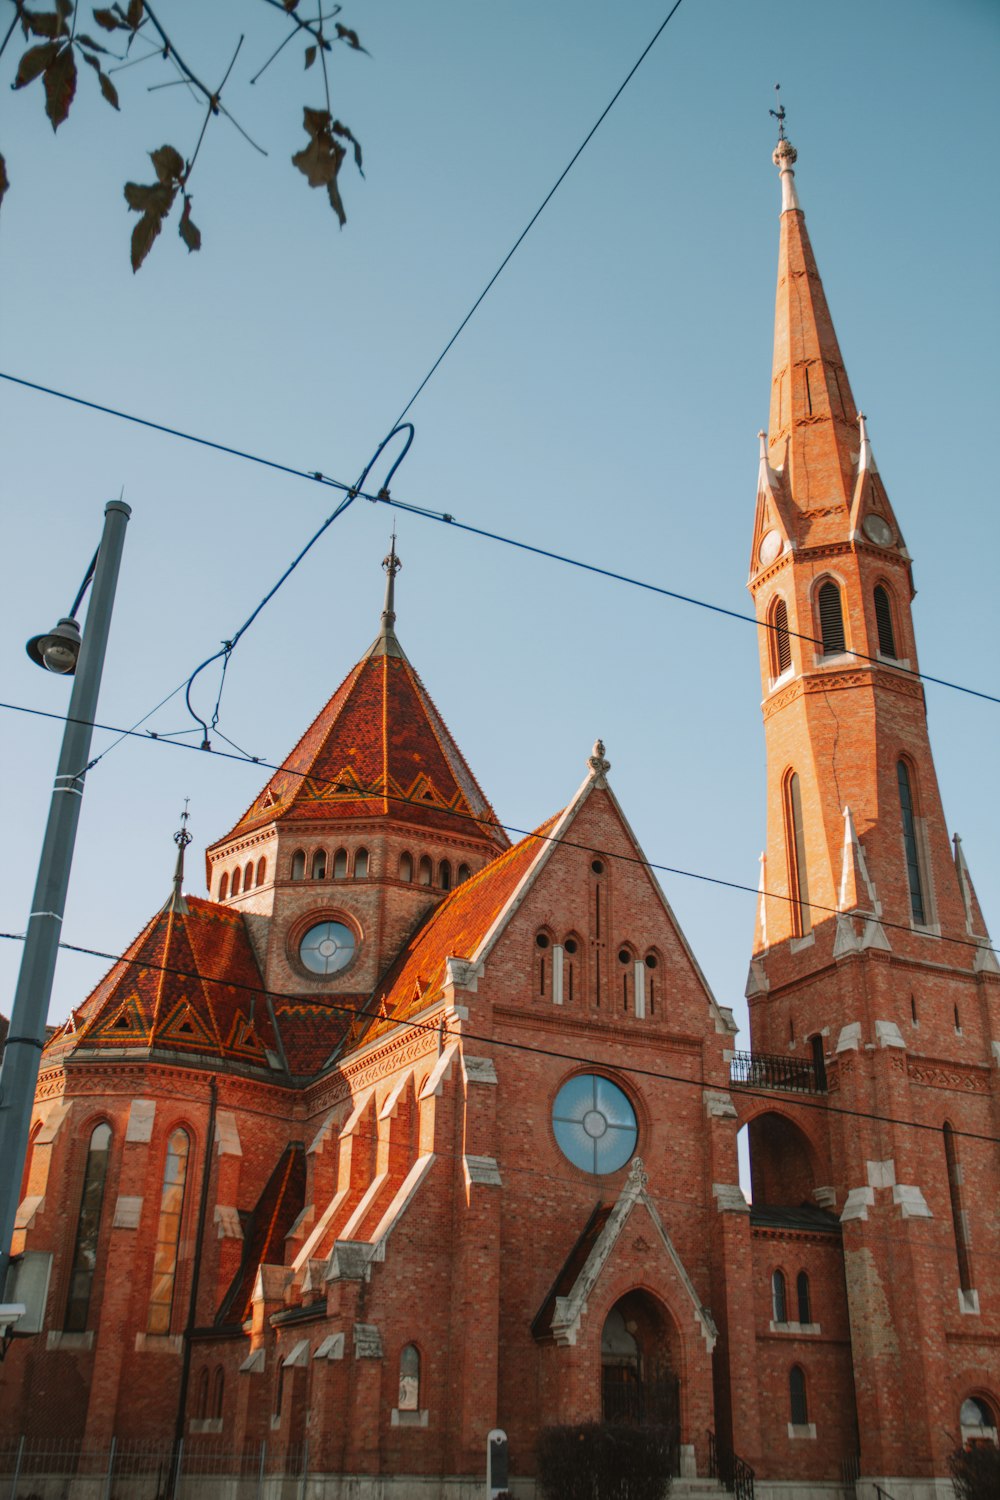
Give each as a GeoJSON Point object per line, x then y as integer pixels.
{"type": "Point", "coordinates": [976, 1472]}
{"type": "Point", "coordinates": [600, 1461]}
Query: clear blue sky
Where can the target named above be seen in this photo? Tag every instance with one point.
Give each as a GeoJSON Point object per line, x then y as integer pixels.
{"type": "Point", "coordinates": [604, 402]}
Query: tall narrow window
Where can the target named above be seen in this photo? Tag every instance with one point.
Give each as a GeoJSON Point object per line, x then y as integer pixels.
{"type": "Point", "coordinates": [570, 949]}
{"type": "Point", "coordinates": [319, 865]}
{"type": "Point", "coordinates": [406, 867]}
{"type": "Point", "coordinates": [626, 960]}
{"type": "Point", "coordinates": [795, 848]}
{"type": "Point", "coordinates": [88, 1229]}
{"type": "Point", "coordinates": [299, 865]}
{"type": "Point", "coordinates": [202, 1403]}
{"type": "Point", "coordinates": [425, 871]}
{"type": "Point", "coordinates": [168, 1233]}
{"type": "Point", "coordinates": [781, 646]}
{"type": "Point", "coordinates": [224, 886]}
{"type": "Point", "coordinates": [831, 619]}
{"type": "Point", "coordinates": [819, 1064]}
{"type": "Point", "coordinates": [361, 865]}
{"type": "Point", "coordinates": [651, 977]}
{"type": "Point", "coordinates": [463, 874]}
{"type": "Point", "coordinates": [340, 865]}
{"type": "Point", "coordinates": [797, 1397]}
{"type": "Point", "coordinates": [261, 870]}
{"type": "Point", "coordinates": [444, 875]}
{"type": "Point", "coordinates": [248, 876]}
{"type": "Point", "coordinates": [236, 881]}
{"type": "Point", "coordinates": [958, 1216]}
{"type": "Point", "coordinates": [409, 1379]}
{"type": "Point", "coordinates": [542, 945]}
{"type": "Point", "coordinates": [779, 1297]}
{"type": "Point", "coordinates": [802, 1296]}
{"type": "Point", "coordinates": [218, 1392]}
{"type": "Point", "coordinates": [883, 622]}
{"type": "Point", "coordinates": [906, 808]}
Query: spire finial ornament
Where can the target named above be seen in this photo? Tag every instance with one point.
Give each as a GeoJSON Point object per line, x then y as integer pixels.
{"type": "Point", "coordinates": [784, 157]}
{"type": "Point", "coordinates": [181, 838]}
{"type": "Point", "coordinates": [392, 565]}
{"type": "Point", "coordinates": [599, 766]}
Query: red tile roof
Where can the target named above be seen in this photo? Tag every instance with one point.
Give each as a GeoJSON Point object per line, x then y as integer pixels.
{"type": "Point", "coordinates": [379, 748]}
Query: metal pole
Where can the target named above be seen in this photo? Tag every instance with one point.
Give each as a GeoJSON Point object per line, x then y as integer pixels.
{"type": "Point", "coordinates": [17, 1469]}
{"type": "Point", "coordinates": [260, 1471]}
{"type": "Point", "coordinates": [22, 1055]}
{"type": "Point", "coordinates": [111, 1468]}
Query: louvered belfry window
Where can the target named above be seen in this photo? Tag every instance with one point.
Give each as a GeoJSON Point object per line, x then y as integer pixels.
{"type": "Point", "coordinates": [781, 646]}
{"type": "Point", "coordinates": [831, 620]}
{"type": "Point", "coordinates": [913, 873]}
{"type": "Point", "coordinates": [883, 621]}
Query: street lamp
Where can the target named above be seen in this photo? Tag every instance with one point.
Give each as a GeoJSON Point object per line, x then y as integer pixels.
{"type": "Point", "coordinates": [62, 650]}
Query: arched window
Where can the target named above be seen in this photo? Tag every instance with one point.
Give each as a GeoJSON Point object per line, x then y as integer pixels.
{"type": "Point", "coordinates": [425, 872]}
{"type": "Point", "coordinates": [571, 950]}
{"type": "Point", "coordinates": [779, 1299]}
{"type": "Point", "coordinates": [224, 886]}
{"type": "Point", "coordinates": [779, 644]}
{"type": "Point", "coordinates": [88, 1229]}
{"type": "Point", "coordinates": [236, 881]}
{"type": "Point", "coordinates": [795, 853]}
{"type": "Point", "coordinates": [299, 865]}
{"type": "Point", "coordinates": [831, 619]}
{"type": "Point", "coordinates": [218, 1391]}
{"type": "Point", "coordinates": [883, 622]}
{"type": "Point", "coordinates": [463, 874]}
{"type": "Point", "coordinates": [818, 1062]}
{"type": "Point", "coordinates": [168, 1233]}
{"type": "Point", "coordinates": [444, 875]}
{"type": "Point", "coordinates": [799, 1412]}
{"type": "Point", "coordinates": [802, 1297]}
{"type": "Point", "coordinates": [652, 964]}
{"type": "Point", "coordinates": [978, 1421]}
{"type": "Point", "coordinates": [626, 960]}
{"type": "Point", "coordinates": [248, 876]}
{"type": "Point", "coordinates": [201, 1406]}
{"type": "Point", "coordinates": [361, 865]}
{"type": "Point", "coordinates": [318, 868]}
{"type": "Point", "coordinates": [908, 815]}
{"type": "Point", "coordinates": [542, 946]}
{"type": "Point", "coordinates": [340, 865]}
{"type": "Point", "coordinates": [406, 867]}
{"type": "Point", "coordinates": [959, 1218]}
{"type": "Point", "coordinates": [409, 1379]}
{"type": "Point", "coordinates": [261, 870]}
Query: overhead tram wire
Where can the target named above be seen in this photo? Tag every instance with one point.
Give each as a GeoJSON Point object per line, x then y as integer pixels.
{"type": "Point", "coordinates": [804, 1101]}
{"type": "Point", "coordinates": [446, 518]}
{"type": "Point", "coordinates": [370, 793]}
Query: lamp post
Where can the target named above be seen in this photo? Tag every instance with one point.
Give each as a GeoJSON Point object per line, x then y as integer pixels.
{"type": "Point", "coordinates": [60, 651]}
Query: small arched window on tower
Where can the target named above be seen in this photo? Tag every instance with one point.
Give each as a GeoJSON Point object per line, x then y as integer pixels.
{"type": "Point", "coordinates": [779, 1297]}
{"type": "Point", "coordinates": [340, 865]}
{"type": "Point", "coordinates": [248, 876]}
{"type": "Point", "coordinates": [319, 865]}
{"type": "Point", "coordinates": [236, 882]}
{"type": "Point", "coordinates": [907, 808]}
{"type": "Point", "coordinates": [795, 853]}
{"type": "Point", "coordinates": [224, 886]}
{"type": "Point", "coordinates": [798, 1406]}
{"type": "Point", "coordinates": [883, 622]}
{"type": "Point", "coordinates": [261, 870]}
{"type": "Point", "coordinates": [168, 1233]}
{"type": "Point", "coordinates": [425, 871]}
{"type": "Point", "coordinates": [444, 875]}
{"type": "Point", "coordinates": [652, 968]}
{"type": "Point", "coordinates": [831, 619]}
{"type": "Point", "coordinates": [299, 865]}
{"type": "Point", "coordinates": [406, 867]}
{"type": "Point", "coordinates": [88, 1228]}
{"type": "Point", "coordinates": [543, 944]}
{"type": "Point", "coordinates": [779, 645]}
{"type": "Point", "coordinates": [626, 960]}
{"type": "Point", "coordinates": [802, 1296]}
{"type": "Point", "coordinates": [361, 865]}
{"type": "Point", "coordinates": [463, 874]}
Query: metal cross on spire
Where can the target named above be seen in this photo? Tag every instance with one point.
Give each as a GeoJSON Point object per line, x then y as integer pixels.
{"type": "Point", "coordinates": [181, 838]}
{"type": "Point", "coordinates": [779, 113]}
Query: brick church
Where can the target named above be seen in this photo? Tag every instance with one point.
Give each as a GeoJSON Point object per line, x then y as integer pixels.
{"type": "Point", "coordinates": [405, 1133]}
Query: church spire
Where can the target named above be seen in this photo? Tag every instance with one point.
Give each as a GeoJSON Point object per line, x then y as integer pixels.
{"type": "Point", "coordinates": [176, 901]}
{"type": "Point", "coordinates": [387, 643]}
{"type": "Point", "coordinates": [813, 437]}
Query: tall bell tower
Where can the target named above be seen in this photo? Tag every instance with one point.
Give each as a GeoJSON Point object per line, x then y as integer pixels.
{"type": "Point", "coordinates": [871, 957]}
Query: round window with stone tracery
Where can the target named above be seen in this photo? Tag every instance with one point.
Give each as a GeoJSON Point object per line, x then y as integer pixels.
{"type": "Point", "coordinates": [594, 1123]}
{"type": "Point", "coordinates": [327, 948]}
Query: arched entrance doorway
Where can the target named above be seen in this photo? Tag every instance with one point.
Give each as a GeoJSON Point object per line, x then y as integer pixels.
{"type": "Point", "coordinates": [639, 1386]}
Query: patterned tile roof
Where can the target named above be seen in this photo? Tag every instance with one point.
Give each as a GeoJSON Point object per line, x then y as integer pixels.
{"type": "Point", "coordinates": [163, 992]}
{"type": "Point", "coordinates": [379, 748]}
{"type": "Point", "coordinates": [454, 930]}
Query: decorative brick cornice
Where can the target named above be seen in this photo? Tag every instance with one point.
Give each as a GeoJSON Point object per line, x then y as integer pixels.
{"type": "Point", "coordinates": [955, 1077]}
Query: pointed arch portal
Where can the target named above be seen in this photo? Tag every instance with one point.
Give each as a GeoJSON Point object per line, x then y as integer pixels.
{"type": "Point", "coordinates": [639, 1387]}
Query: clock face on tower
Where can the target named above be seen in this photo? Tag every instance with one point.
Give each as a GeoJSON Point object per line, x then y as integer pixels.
{"type": "Point", "coordinates": [877, 530]}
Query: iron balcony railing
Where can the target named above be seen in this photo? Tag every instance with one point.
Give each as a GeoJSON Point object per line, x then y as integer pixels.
{"type": "Point", "coordinates": [769, 1070]}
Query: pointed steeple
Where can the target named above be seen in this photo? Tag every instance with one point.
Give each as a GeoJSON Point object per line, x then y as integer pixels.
{"type": "Point", "coordinates": [812, 434]}
{"type": "Point", "coordinates": [387, 644]}
{"type": "Point", "coordinates": [175, 901]}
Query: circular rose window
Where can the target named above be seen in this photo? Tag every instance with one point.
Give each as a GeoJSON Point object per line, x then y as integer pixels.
{"type": "Point", "coordinates": [327, 948]}
{"type": "Point", "coordinates": [594, 1123]}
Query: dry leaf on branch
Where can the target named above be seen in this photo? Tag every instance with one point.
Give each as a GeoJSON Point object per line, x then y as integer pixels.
{"type": "Point", "coordinates": [154, 202]}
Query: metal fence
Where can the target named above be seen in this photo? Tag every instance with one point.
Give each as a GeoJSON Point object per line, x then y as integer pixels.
{"type": "Point", "coordinates": [193, 1469]}
{"type": "Point", "coordinates": [767, 1070]}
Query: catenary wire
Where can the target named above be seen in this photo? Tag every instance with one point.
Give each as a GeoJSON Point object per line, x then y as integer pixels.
{"type": "Point", "coordinates": [543, 205]}
{"type": "Point", "coordinates": [449, 519]}
{"type": "Point", "coordinates": [369, 793]}
{"type": "Point", "coordinates": [802, 1100]}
